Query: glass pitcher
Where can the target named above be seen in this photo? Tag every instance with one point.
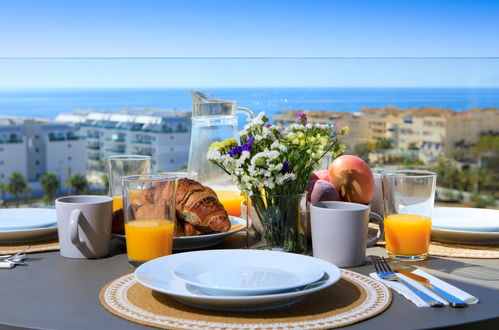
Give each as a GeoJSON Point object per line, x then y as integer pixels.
{"type": "Point", "coordinates": [212, 120]}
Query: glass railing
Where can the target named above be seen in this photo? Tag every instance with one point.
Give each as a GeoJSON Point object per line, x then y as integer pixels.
{"type": "Point", "coordinates": [378, 98]}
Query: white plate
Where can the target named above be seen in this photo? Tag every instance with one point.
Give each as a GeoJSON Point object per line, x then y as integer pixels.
{"type": "Point", "coordinates": [464, 225]}
{"type": "Point", "coordinates": [26, 218]}
{"type": "Point", "coordinates": [28, 235]}
{"type": "Point", "coordinates": [157, 275]}
{"type": "Point", "coordinates": [243, 273]}
{"type": "Point", "coordinates": [185, 243]}
{"type": "Point", "coordinates": [465, 219]}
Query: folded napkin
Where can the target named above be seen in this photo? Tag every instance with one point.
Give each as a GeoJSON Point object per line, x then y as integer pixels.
{"type": "Point", "coordinates": [408, 294]}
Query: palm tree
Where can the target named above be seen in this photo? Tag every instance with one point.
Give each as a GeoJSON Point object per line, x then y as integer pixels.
{"type": "Point", "coordinates": [79, 182]}
{"type": "Point", "coordinates": [105, 181]}
{"type": "Point", "coordinates": [3, 189]}
{"type": "Point", "coordinates": [50, 183]}
{"type": "Point", "coordinates": [17, 185]}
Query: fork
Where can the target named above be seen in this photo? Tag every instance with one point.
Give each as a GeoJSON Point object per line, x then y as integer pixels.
{"type": "Point", "coordinates": [385, 272]}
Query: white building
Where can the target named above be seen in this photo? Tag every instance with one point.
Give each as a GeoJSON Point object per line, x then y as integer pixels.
{"type": "Point", "coordinates": [36, 146]}
{"type": "Point", "coordinates": [164, 135]}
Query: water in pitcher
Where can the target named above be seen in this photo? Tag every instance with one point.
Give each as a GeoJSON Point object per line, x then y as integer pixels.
{"type": "Point", "coordinates": [212, 120]}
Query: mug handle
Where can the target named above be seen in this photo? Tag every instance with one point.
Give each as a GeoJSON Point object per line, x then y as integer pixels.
{"type": "Point", "coordinates": [377, 218]}
{"type": "Point", "coordinates": [74, 221]}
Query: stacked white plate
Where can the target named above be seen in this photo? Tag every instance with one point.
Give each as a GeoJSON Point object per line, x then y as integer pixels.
{"type": "Point", "coordinates": [465, 225]}
{"type": "Point", "coordinates": [27, 225]}
{"type": "Point", "coordinates": [237, 280]}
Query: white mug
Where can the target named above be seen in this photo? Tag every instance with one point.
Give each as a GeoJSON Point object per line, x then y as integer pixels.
{"type": "Point", "coordinates": [339, 232]}
{"type": "Point", "coordinates": [84, 225]}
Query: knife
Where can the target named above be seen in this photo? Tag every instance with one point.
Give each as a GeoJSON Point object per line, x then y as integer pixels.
{"type": "Point", "coordinates": [453, 300]}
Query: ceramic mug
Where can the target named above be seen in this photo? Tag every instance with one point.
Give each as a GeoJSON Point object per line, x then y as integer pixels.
{"type": "Point", "coordinates": [84, 225]}
{"type": "Point", "coordinates": [339, 232]}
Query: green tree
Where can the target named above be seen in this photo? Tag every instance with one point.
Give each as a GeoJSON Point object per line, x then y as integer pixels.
{"type": "Point", "coordinates": [3, 190]}
{"type": "Point", "coordinates": [17, 185]}
{"type": "Point", "coordinates": [105, 181]}
{"type": "Point", "coordinates": [361, 150]}
{"type": "Point", "coordinates": [487, 143]}
{"type": "Point", "coordinates": [50, 183]}
{"type": "Point", "coordinates": [383, 144]}
{"type": "Point", "coordinates": [413, 146]}
{"type": "Point", "coordinates": [79, 182]}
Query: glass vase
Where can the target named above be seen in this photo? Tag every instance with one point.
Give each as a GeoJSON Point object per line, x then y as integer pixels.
{"type": "Point", "coordinates": [279, 222]}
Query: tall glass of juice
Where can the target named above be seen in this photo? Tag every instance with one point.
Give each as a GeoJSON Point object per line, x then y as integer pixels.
{"type": "Point", "coordinates": [149, 209]}
{"type": "Point", "coordinates": [119, 166]}
{"type": "Point", "coordinates": [408, 198]}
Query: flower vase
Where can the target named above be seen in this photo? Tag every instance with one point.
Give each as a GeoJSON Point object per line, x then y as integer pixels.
{"type": "Point", "coordinates": [280, 222]}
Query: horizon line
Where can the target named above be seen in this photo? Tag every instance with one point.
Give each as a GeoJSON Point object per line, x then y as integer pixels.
{"type": "Point", "coordinates": [230, 87]}
{"type": "Point", "coordinates": [245, 57]}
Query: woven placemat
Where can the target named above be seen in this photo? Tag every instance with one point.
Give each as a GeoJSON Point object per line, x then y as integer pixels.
{"type": "Point", "coordinates": [354, 298]}
{"type": "Point", "coordinates": [451, 250]}
{"type": "Point", "coordinates": [42, 246]}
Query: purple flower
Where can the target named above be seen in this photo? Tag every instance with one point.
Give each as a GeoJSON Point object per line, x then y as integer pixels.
{"type": "Point", "coordinates": [236, 151]}
{"type": "Point", "coordinates": [285, 168]}
{"type": "Point", "coordinates": [302, 118]}
{"type": "Point", "coordinates": [247, 145]}
{"type": "Point", "coordinates": [268, 125]}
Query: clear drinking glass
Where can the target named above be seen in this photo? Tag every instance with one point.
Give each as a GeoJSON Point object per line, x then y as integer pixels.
{"type": "Point", "coordinates": [408, 198]}
{"type": "Point", "coordinates": [120, 166]}
{"type": "Point", "coordinates": [149, 208]}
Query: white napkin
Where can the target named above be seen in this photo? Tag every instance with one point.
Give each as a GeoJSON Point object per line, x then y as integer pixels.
{"type": "Point", "coordinates": [408, 294]}
{"type": "Point", "coordinates": [6, 265]}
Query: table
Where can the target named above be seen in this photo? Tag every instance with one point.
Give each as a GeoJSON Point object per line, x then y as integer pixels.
{"type": "Point", "coordinates": [58, 293]}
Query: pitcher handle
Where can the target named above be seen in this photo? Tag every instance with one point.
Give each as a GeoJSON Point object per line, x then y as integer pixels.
{"type": "Point", "coordinates": [248, 111]}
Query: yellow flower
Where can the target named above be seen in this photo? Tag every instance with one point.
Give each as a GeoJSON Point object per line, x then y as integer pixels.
{"type": "Point", "coordinates": [344, 130]}
{"type": "Point", "coordinates": [229, 142]}
{"type": "Point", "coordinates": [215, 144]}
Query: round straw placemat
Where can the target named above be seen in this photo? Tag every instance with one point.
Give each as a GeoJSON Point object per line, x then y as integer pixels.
{"type": "Point", "coordinates": [353, 298]}
{"type": "Point", "coordinates": [451, 250]}
{"type": "Point", "coordinates": [42, 246]}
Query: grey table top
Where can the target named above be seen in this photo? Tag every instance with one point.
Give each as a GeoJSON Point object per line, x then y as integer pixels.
{"type": "Point", "coordinates": [58, 293]}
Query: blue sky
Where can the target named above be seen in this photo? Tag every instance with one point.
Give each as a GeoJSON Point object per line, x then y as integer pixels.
{"type": "Point", "coordinates": [254, 28]}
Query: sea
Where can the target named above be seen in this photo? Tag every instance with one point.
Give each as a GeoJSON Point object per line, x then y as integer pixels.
{"type": "Point", "coordinates": [49, 102]}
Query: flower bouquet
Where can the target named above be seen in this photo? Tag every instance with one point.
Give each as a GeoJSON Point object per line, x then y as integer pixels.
{"type": "Point", "coordinates": [272, 166]}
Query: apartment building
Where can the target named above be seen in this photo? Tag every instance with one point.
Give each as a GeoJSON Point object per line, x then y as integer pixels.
{"type": "Point", "coordinates": [431, 131]}
{"type": "Point", "coordinates": [36, 146]}
{"type": "Point", "coordinates": [163, 135]}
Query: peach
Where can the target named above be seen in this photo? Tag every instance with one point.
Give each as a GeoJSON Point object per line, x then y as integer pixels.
{"type": "Point", "coordinates": [353, 179]}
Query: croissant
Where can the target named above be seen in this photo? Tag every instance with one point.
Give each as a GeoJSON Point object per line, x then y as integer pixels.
{"type": "Point", "coordinates": [198, 210]}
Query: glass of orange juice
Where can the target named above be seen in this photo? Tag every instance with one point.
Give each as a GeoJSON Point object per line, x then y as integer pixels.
{"type": "Point", "coordinates": [408, 198]}
{"type": "Point", "coordinates": [231, 201]}
{"type": "Point", "coordinates": [119, 166]}
{"type": "Point", "coordinates": [149, 209]}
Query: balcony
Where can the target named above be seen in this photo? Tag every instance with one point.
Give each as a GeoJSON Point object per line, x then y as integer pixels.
{"type": "Point", "coordinates": [64, 138]}
{"type": "Point", "coordinates": [93, 146]}
{"type": "Point", "coordinates": [142, 141]}
{"type": "Point", "coordinates": [143, 153]}
{"type": "Point", "coordinates": [117, 149]}
{"type": "Point", "coordinates": [116, 139]}
{"type": "Point", "coordinates": [12, 140]}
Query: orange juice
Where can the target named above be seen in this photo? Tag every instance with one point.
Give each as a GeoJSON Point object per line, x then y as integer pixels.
{"type": "Point", "coordinates": [118, 200]}
{"type": "Point", "coordinates": [231, 200]}
{"type": "Point", "coordinates": [148, 239]}
{"type": "Point", "coordinates": [407, 234]}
